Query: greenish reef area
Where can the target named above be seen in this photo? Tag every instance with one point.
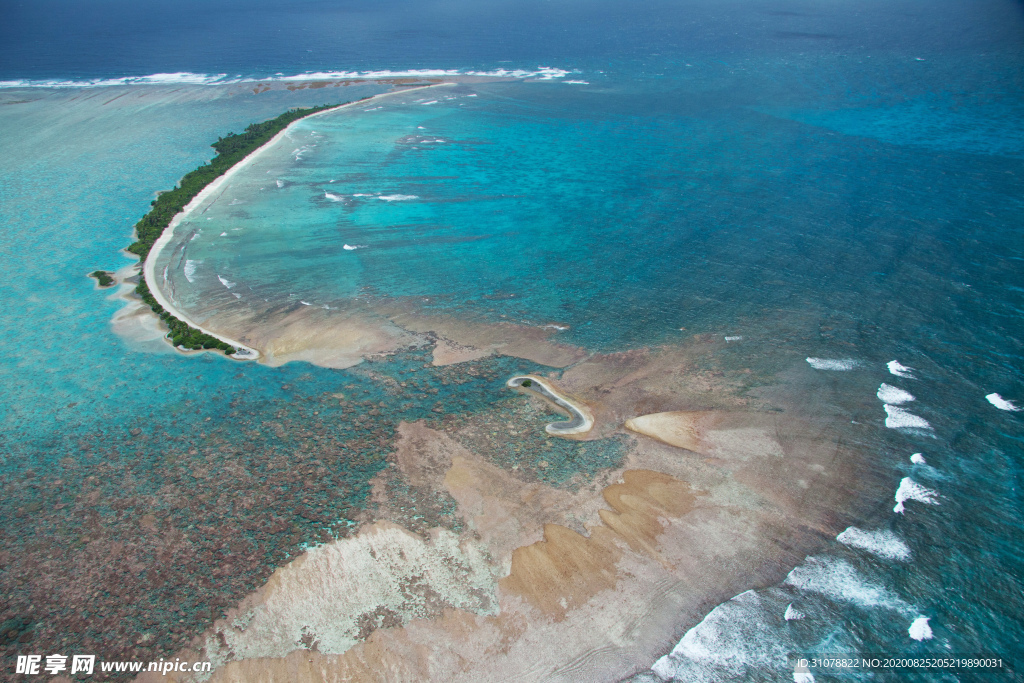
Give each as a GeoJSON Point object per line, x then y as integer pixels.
{"type": "Point", "coordinates": [230, 150]}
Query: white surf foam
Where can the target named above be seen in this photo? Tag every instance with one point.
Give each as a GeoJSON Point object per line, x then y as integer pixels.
{"type": "Point", "coordinates": [179, 78]}
{"type": "Point", "coordinates": [911, 490]}
{"type": "Point", "coordinates": [334, 197]}
{"type": "Point", "coordinates": [353, 247]}
{"type": "Point", "coordinates": [733, 639]}
{"type": "Point", "coordinates": [882, 542]}
{"type": "Point", "coordinates": [305, 303]}
{"type": "Point", "coordinates": [189, 270]}
{"type": "Point", "coordinates": [890, 394]}
{"type": "Point", "coordinates": [898, 418]}
{"type": "Point", "coordinates": [544, 73]}
{"type": "Point", "coordinates": [397, 197]}
{"type": "Point", "coordinates": [793, 614]}
{"type": "Point", "coordinates": [920, 630]}
{"type": "Point", "coordinates": [918, 459]}
{"type": "Point", "coordinates": [1001, 403]}
{"type": "Point", "coordinates": [833, 363]}
{"type": "Point", "coordinates": [280, 183]}
{"type": "Point", "coordinates": [732, 339]}
{"type": "Point", "coordinates": [900, 370]}
{"type": "Point", "coordinates": [223, 234]}
{"type": "Point", "coordinates": [838, 580]}
{"type": "Point", "coordinates": [226, 283]}
{"type": "Point", "coordinates": [803, 677]}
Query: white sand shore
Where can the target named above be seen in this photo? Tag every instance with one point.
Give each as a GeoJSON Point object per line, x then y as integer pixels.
{"type": "Point", "coordinates": [149, 268]}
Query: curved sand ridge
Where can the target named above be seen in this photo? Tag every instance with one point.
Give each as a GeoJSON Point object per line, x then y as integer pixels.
{"type": "Point", "coordinates": [149, 267]}
{"type": "Point", "coordinates": [581, 420]}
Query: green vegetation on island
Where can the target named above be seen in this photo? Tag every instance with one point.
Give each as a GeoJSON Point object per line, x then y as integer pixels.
{"type": "Point", "coordinates": [181, 334]}
{"type": "Point", "coordinates": [102, 277]}
{"type": "Point", "coordinates": [230, 150]}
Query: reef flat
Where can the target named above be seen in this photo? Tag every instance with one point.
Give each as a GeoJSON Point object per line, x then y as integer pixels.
{"type": "Point", "coordinates": [525, 574]}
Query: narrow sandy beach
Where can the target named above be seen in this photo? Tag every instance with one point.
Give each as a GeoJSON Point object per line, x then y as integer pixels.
{"type": "Point", "coordinates": [149, 267]}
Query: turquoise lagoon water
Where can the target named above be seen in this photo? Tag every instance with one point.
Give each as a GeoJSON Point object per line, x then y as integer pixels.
{"type": "Point", "coordinates": [814, 196]}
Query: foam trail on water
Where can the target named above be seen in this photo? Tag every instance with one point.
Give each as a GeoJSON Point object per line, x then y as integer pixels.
{"type": "Point", "coordinates": [397, 197]}
{"type": "Point", "coordinates": [833, 363]}
{"type": "Point", "coordinates": [1001, 403]}
{"type": "Point", "coordinates": [226, 283]}
{"type": "Point", "coordinates": [189, 270]}
{"type": "Point", "coordinates": [900, 370]}
{"type": "Point", "coordinates": [736, 639]}
{"type": "Point", "coordinates": [883, 543]}
{"type": "Point", "coordinates": [920, 630]}
{"type": "Point", "coordinates": [911, 490]}
{"type": "Point", "coordinates": [898, 418]}
{"type": "Point", "coordinates": [353, 247]}
{"type": "Point", "coordinates": [890, 394]}
{"type": "Point", "coordinates": [838, 580]}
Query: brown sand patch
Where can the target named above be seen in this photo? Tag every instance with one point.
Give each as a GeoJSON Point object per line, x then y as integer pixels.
{"type": "Point", "coordinates": [424, 455]}
{"type": "Point", "coordinates": [565, 570]}
{"type": "Point", "coordinates": [501, 511]}
{"type": "Point", "coordinates": [713, 433]}
{"type": "Point", "coordinates": [520, 341]}
{"type": "Point", "coordinates": [620, 386]}
{"type": "Point", "coordinates": [332, 339]}
{"type": "Point", "coordinates": [447, 352]}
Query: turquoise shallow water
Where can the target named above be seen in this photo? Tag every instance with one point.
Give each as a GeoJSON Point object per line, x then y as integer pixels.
{"type": "Point", "coordinates": [816, 202]}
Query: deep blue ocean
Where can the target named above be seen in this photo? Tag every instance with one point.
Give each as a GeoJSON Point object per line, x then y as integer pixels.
{"type": "Point", "coordinates": [841, 182]}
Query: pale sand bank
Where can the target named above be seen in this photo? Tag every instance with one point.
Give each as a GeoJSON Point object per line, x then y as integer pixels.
{"type": "Point", "coordinates": [711, 432]}
{"type": "Point", "coordinates": [476, 340]}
